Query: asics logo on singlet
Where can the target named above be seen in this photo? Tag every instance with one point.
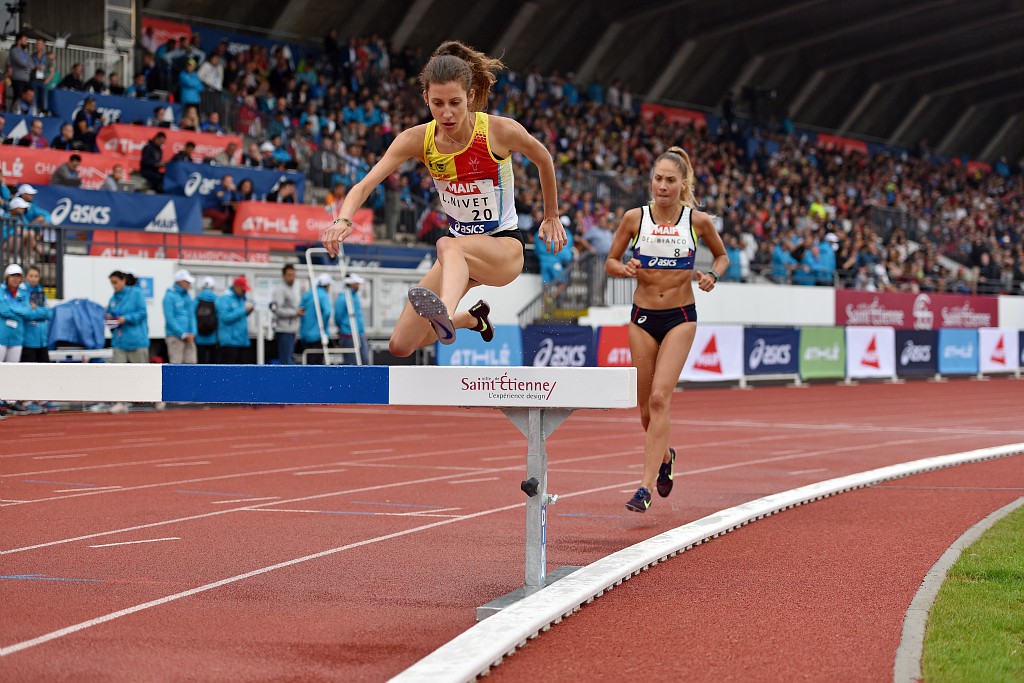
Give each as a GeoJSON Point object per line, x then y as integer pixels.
{"type": "Point", "coordinates": [662, 263]}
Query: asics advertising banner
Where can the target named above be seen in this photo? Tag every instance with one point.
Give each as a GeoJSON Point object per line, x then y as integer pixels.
{"type": "Point", "coordinates": [771, 350]}
{"type": "Point", "coordinates": [613, 346]}
{"type": "Point", "coordinates": [998, 350]}
{"type": "Point", "coordinates": [822, 353]}
{"type": "Point", "coordinates": [917, 352]}
{"type": "Point", "coordinates": [301, 222]}
{"type": "Point", "coordinates": [870, 352]}
{"type": "Point", "coordinates": [127, 141]}
{"type": "Point", "coordinates": [70, 206]}
{"type": "Point", "coordinates": [716, 354]}
{"type": "Point", "coordinates": [203, 181]}
{"type": "Point", "coordinates": [36, 166]}
{"type": "Point", "coordinates": [563, 346]}
{"type": "Point", "coordinates": [958, 352]}
{"type": "Point", "coordinates": [65, 104]}
{"type": "Point", "coordinates": [924, 311]}
{"type": "Point", "coordinates": [469, 348]}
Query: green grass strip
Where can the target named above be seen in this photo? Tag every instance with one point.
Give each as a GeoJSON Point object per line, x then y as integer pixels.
{"type": "Point", "coordinates": [975, 629]}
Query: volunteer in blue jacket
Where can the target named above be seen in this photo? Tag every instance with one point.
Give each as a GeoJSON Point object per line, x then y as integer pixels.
{"type": "Point", "coordinates": [353, 282]}
{"type": "Point", "coordinates": [180, 320]}
{"type": "Point", "coordinates": [128, 320]}
{"type": "Point", "coordinates": [206, 344]}
{"type": "Point", "coordinates": [14, 311]}
{"type": "Point", "coordinates": [37, 324]}
{"type": "Point", "coordinates": [309, 330]}
{"type": "Point", "coordinates": [233, 322]}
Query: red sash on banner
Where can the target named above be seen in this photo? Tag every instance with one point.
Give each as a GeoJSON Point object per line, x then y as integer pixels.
{"type": "Point", "coordinates": [301, 222]}
{"type": "Point", "coordinates": [127, 140]}
{"type": "Point", "coordinates": [36, 166]}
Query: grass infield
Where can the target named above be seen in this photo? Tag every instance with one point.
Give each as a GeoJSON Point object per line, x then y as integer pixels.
{"type": "Point", "coordinates": [975, 629]}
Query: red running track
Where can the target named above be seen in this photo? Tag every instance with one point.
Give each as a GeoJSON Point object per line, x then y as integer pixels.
{"type": "Point", "coordinates": [345, 543]}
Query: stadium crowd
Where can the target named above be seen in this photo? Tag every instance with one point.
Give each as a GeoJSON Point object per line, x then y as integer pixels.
{"type": "Point", "coordinates": [800, 213]}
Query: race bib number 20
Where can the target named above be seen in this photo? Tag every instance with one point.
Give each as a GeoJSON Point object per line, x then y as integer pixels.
{"type": "Point", "coordinates": [472, 207]}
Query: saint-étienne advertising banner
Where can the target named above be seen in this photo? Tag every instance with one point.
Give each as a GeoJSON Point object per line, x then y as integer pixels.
{"type": "Point", "coordinates": [203, 181]}
{"type": "Point", "coordinates": [89, 209]}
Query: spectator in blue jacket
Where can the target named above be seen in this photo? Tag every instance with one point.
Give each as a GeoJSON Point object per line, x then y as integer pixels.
{"type": "Point", "coordinates": [309, 330]}
{"type": "Point", "coordinates": [206, 344]}
{"type": "Point", "coordinates": [783, 263]}
{"type": "Point", "coordinates": [180, 320]}
{"type": "Point", "coordinates": [37, 323]}
{"type": "Point", "coordinates": [341, 319]}
{"type": "Point", "coordinates": [189, 84]}
{"type": "Point", "coordinates": [233, 322]}
{"type": "Point", "coordinates": [14, 312]}
{"type": "Point", "coordinates": [128, 321]}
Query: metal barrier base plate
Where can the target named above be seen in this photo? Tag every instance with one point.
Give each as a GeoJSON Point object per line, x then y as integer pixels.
{"type": "Point", "coordinates": [509, 599]}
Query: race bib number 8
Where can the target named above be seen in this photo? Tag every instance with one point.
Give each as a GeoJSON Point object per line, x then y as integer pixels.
{"type": "Point", "coordinates": [472, 207]}
{"type": "Point", "coordinates": [665, 246]}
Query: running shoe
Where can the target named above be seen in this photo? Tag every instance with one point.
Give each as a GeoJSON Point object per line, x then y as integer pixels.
{"type": "Point", "coordinates": [640, 501]}
{"type": "Point", "coordinates": [429, 305]}
{"type": "Point", "coordinates": [480, 311]}
{"type": "Point", "coordinates": [666, 474]}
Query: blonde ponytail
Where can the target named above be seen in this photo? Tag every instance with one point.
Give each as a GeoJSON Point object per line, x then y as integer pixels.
{"type": "Point", "coordinates": [679, 157]}
{"type": "Point", "coordinates": [455, 62]}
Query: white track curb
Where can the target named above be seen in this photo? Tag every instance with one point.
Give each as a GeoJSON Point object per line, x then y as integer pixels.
{"type": "Point", "coordinates": [474, 652]}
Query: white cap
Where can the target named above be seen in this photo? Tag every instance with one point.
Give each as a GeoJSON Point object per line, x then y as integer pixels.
{"type": "Point", "coordinates": [184, 275]}
{"type": "Point", "coordinates": [208, 282]}
{"type": "Point", "coordinates": [17, 203]}
{"type": "Point", "coordinates": [25, 188]}
{"type": "Point", "coordinates": [325, 280]}
{"type": "Point", "coordinates": [267, 147]}
{"type": "Point", "coordinates": [354, 279]}
{"type": "Point", "coordinates": [13, 269]}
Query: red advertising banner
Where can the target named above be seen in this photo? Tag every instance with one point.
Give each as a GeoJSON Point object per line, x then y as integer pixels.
{"type": "Point", "coordinates": [674, 114]}
{"type": "Point", "coordinates": [925, 311]}
{"type": "Point", "coordinates": [127, 140]}
{"type": "Point", "coordinates": [185, 247]}
{"type": "Point", "coordinates": [613, 347]}
{"type": "Point", "coordinates": [164, 29]}
{"type": "Point", "coordinates": [845, 144]}
{"type": "Point", "coordinates": [300, 222]}
{"type": "Point", "coordinates": [36, 166]}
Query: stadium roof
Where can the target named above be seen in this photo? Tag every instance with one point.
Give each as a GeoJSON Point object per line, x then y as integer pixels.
{"type": "Point", "coordinates": [948, 71]}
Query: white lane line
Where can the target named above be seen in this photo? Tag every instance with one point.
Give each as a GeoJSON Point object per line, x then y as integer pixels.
{"type": "Point", "coordinates": [251, 445]}
{"type": "Point", "coordinates": [143, 439]}
{"type": "Point", "coordinates": [363, 513]}
{"type": "Point", "coordinates": [38, 435]}
{"type": "Point", "coordinates": [243, 500]}
{"type": "Point", "coordinates": [184, 464]}
{"type": "Point", "coordinates": [789, 452]}
{"type": "Point", "coordinates": [92, 488]}
{"type": "Point", "coordinates": [148, 540]}
{"type": "Point", "coordinates": [306, 474]}
{"type": "Point", "coordinates": [427, 513]}
{"type": "Point", "coordinates": [374, 450]}
{"type": "Point", "coordinates": [473, 481]}
{"type": "Point", "coordinates": [501, 457]}
{"type": "Point", "coordinates": [796, 472]}
{"type": "Point", "coordinates": [7, 500]}
{"type": "Point", "coordinates": [60, 457]}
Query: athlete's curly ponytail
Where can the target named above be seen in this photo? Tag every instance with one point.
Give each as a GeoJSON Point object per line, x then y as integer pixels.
{"type": "Point", "coordinates": [679, 157]}
{"type": "Point", "coordinates": [456, 62]}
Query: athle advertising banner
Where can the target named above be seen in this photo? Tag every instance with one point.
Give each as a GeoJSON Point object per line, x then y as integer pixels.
{"type": "Point", "coordinates": [907, 311]}
{"type": "Point", "coordinates": [36, 166]}
{"type": "Point", "coordinates": [870, 352]}
{"type": "Point", "coordinates": [613, 347]}
{"type": "Point", "coordinates": [300, 222]}
{"type": "Point", "coordinates": [567, 346]}
{"type": "Point", "coordinates": [958, 352]}
{"type": "Point", "coordinates": [183, 247]}
{"type": "Point", "coordinates": [771, 350]}
{"type": "Point", "coordinates": [72, 207]}
{"type": "Point", "coordinates": [716, 355]}
{"type": "Point", "coordinates": [822, 353]}
{"type": "Point", "coordinates": [998, 350]}
{"type": "Point", "coordinates": [469, 348]}
{"type": "Point", "coordinates": [917, 352]}
{"type": "Point", "coordinates": [127, 141]}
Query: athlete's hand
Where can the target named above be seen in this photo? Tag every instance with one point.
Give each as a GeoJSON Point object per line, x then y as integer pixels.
{"type": "Point", "coordinates": [630, 267]}
{"type": "Point", "coordinates": [335, 234]}
{"type": "Point", "coordinates": [552, 232]}
{"type": "Point", "coordinates": [704, 281]}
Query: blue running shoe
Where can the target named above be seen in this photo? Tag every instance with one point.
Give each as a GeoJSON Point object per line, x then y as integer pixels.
{"type": "Point", "coordinates": [640, 501]}
{"type": "Point", "coordinates": [666, 474]}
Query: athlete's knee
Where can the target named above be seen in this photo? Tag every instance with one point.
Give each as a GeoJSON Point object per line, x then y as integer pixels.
{"type": "Point", "coordinates": [448, 247]}
{"type": "Point", "coordinates": [400, 350]}
{"type": "Point", "coordinates": [659, 402]}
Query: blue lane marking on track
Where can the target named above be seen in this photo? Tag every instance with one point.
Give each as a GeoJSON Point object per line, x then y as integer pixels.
{"type": "Point", "coordinates": [585, 514]}
{"type": "Point", "coordinates": [397, 505]}
{"type": "Point", "coordinates": [365, 384]}
{"type": "Point", "coordinates": [62, 483]}
{"type": "Point", "coordinates": [44, 577]}
{"type": "Point", "coordinates": [217, 493]}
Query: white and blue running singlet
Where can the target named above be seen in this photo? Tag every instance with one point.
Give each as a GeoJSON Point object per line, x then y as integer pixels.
{"type": "Point", "coordinates": [474, 186]}
{"type": "Point", "coordinates": [665, 246]}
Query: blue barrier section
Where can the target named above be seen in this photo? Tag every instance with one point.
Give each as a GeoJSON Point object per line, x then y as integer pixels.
{"type": "Point", "coordinates": [917, 352]}
{"type": "Point", "coordinates": [114, 108]}
{"type": "Point", "coordinates": [203, 181]}
{"type": "Point", "coordinates": [367, 384]}
{"type": "Point", "coordinates": [17, 126]}
{"type": "Point", "coordinates": [771, 350]}
{"type": "Point", "coordinates": [958, 351]}
{"type": "Point", "coordinates": [72, 207]}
